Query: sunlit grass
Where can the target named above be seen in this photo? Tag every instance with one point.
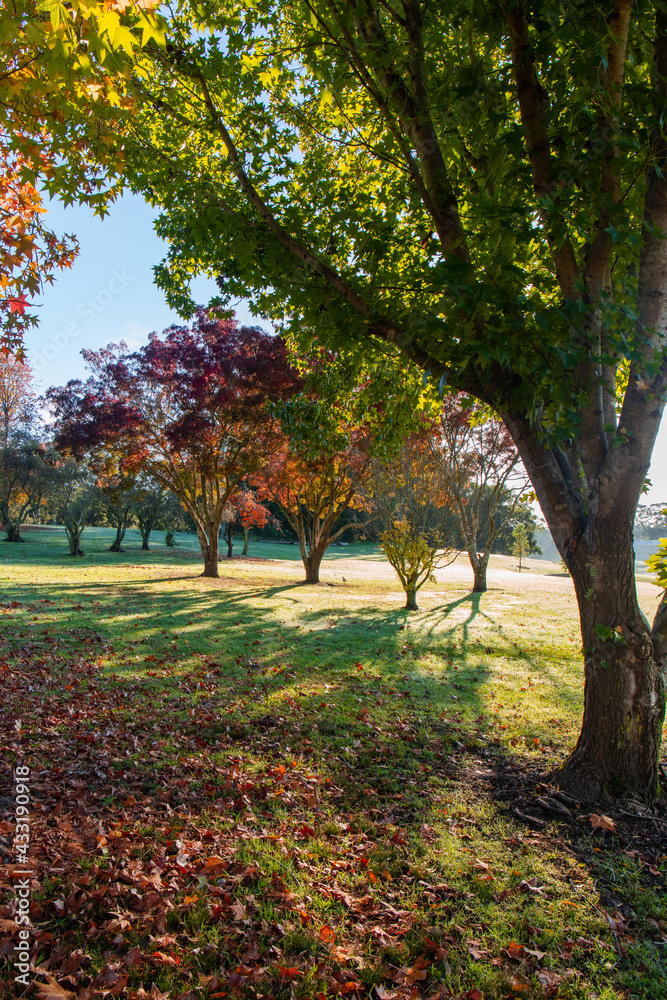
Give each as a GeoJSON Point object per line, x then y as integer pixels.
{"type": "Point", "coordinates": [395, 716]}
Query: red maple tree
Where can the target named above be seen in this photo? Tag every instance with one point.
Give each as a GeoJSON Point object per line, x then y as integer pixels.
{"type": "Point", "coordinates": [193, 408]}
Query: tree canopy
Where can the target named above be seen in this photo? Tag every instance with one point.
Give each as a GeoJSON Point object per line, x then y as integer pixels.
{"type": "Point", "coordinates": [65, 85]}
{"type": "Point", "coordinates": [192, 408]}
{"type": "Point", "coordinates": [481, 187]}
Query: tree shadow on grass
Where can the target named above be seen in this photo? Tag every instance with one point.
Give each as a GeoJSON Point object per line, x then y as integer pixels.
{"type": "Point", "coordinates": [222, 746]}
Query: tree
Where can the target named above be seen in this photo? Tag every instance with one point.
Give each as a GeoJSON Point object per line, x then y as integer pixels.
{"type": "Point", "coordinates": [482, 187]}
{"type": "Point", "coordinates": [313, 493]}
{"type": "Point", "coordinates": [18, 401]}
{"type": "Point", "coordinates": [413, 557]}
{"type": "Point", "coordinates": [171, 519]}
{"type": "Point", "coordinates": [650, 520]}
{"type": "Point", "coordinates": [244, 512]}
{"type": "Point", "coordinates": [75, 491]}
{"type": "Point", "coordinates": [30, 253]}
{"type": "Point", "coordinates": [520, 543]}
{"type": "Point", "coordinates": [192, 409]}
{"type": "Point", "coordinates": [515, 511]}
{"type": "Point", "coordinates": [25, 477]}
{"type": "Point", "coordinates": [65, 76]}
{"type": "Point", "coordinates": [149, 506]}
{"type": "Point", "coordinates": [479, 460]}
{"type": "Point", "coordinates": [408, 503]}
{"type": "Point", "coordinates": [116, 493]}
{"type": "Point", "coordinates": [346, 415]}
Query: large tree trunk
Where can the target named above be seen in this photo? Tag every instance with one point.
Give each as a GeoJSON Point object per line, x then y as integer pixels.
{"type": "Point", "coordinates": [313, 560]}
{"type": "Point", "coordinates": [209, 551]}
{"type": "Point", "coordinates": [591, 518]}
{"type": "Point", "coordinates": [624, 694]}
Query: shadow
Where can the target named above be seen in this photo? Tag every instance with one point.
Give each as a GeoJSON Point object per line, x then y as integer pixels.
{"type": "Point", "coordinates": [185, 723]}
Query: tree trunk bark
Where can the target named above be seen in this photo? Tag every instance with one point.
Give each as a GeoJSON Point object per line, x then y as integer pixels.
{"type": "Point", "coordinates": [74, 533]}
{"type": "Point", "coordinates": [229, 538]}
{"type": "Point", "coordinates": [120, 535]}
{"type": "Point", "coordinates": [411, 597]}
{"type": "Point", "coordinates": [624, 691]}
{"type": "Point", "coordinates": [479, 571]}
{"type": "Point", "coordinates": [14, 533]}
{"type": "Point", "coordinates": [245, 541]}
{"type": "Point", "coordinates": [313, 560]}
{"type": "Point", "coordinates": [209, 551]}
{"type": "Point", "coordinates": [479, 586]}
{"type": "Point", "coordinates": [145, 535]}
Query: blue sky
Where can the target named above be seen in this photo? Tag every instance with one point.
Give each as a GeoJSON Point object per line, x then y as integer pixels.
{"type": "Point", "coordinates": [109, 296]}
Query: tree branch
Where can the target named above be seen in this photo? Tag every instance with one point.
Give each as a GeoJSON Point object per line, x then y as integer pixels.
{"type": "Point", "coordinates": [533, 109]}
{"type": "Point", "coordinates": [598, 254]}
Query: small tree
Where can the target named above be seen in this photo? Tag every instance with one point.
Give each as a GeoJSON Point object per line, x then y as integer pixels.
{"type": "Point", "coordinates": [480, 463]}
{"type": "Point", "coordinates": [312, 494]}
{"type": "Point", "coordinates": [409, 505]}
{"type": "Point", "coordinates": [171, 519]}
{"type": "Point", "coordinates": [75, 491]}
{"type": "Point", "coordinates": [413, 556]}
{"type": "Point", "coordinates": [521, 543]}
{"type": "Point", "coordinates": [332, 431]}
{"type": "Point", "coordinates": [244, 512]}
{"type": "Point", "coordinates": [149, 504]}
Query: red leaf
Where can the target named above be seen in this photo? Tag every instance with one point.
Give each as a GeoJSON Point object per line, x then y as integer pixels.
{"type": "Point", "coordinates": [289, 972]}
{"type": "Point", "coordinates": [17, 305]}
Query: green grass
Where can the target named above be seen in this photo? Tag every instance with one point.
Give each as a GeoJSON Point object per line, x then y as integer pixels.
{"type": "Point", "coordinates": [350, 764]}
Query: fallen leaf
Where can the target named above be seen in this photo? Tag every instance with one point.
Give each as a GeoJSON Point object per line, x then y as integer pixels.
{"type": "Point", "coordinates": [602, 822]}
{"type": "Point", "coordinates": [213, 867]}
{"type": "Point", "coordinates": [516, 951]}
{"type": "Point", "coordinates": [547, 978]}
{"type": "Point", "coordinates": [51, 990]}
{"type": "Point", "coordinates": [289, 972]}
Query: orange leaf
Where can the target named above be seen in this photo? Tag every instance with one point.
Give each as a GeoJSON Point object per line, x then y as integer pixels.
{"type": "Point", "coordinates": [602, 822]}
{"type": "Point", "coordinates": [289, 972]}
{"type": "Point", "coordinates": [213, 867]}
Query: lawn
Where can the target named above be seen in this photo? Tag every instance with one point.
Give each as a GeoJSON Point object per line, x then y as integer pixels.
{"type": "Point", "coordinates": [249, 787]}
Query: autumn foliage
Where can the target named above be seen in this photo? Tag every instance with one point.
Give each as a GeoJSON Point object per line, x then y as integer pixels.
{"type": "Point", "coordinates": [193, 408]}
{"type": "Point", "coordinates": [30, 254]}
{"type": "Point", "coordinates": [64, 88]}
